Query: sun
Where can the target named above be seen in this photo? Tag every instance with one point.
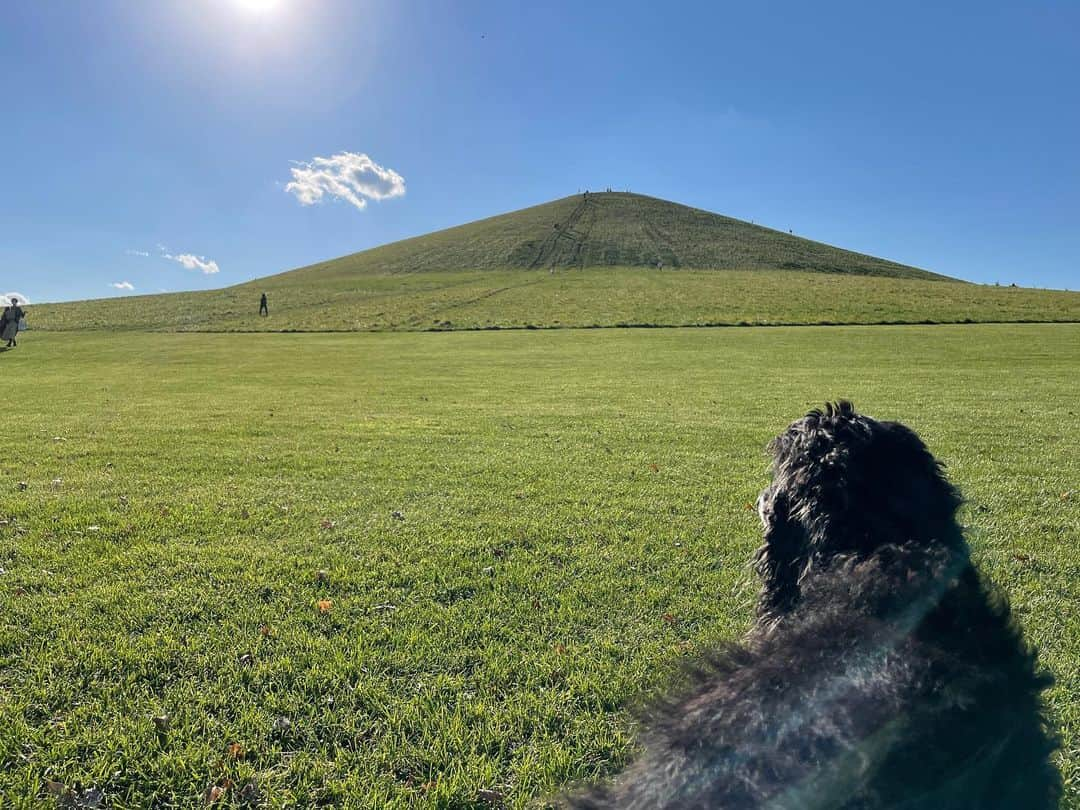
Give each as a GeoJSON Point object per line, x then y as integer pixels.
{"type": "Point", "coordinates": [257, 6]}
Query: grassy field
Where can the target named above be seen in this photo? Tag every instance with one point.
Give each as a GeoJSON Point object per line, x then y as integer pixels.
{"type": "Point", "coordinates": [606, 296]}
{"type": "Point", "coordinates": [397, 570]}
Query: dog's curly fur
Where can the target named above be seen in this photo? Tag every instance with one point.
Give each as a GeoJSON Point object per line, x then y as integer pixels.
{"type": "Point", "coordinates": [883, 671]}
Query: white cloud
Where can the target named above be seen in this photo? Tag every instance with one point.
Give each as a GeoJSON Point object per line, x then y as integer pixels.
{"type": "Point", "coordinates": [189, 260]}
{"type": "Point", "coordinates": [192, 262]}
{"type": "Point", "coordinates": [348, 176]}
{"type": "Point", "coordinates": [143, 253]}
{"type": "Point", "coordinates": [123, 285]}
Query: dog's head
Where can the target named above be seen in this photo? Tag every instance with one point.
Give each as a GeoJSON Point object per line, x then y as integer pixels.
{"type": "Point", "coordinates": [844, 484]}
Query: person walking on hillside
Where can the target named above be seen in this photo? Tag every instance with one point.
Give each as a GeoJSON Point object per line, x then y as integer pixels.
{"type": "Point", "coordinates": [9, 323]}
{"type": "Point", "coordinates": [263, 308]}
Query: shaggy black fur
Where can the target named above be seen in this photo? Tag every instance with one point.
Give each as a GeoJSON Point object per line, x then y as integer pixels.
{"type": "Point", "coordinates": [883, 672]}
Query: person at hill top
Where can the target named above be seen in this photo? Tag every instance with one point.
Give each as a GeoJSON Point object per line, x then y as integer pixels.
{"type": "Point", "coordinates": [263, 309]}
{"type": "Point", "coordinates": [9, 323]}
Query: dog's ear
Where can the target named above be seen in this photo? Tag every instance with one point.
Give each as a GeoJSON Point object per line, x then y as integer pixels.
{"type": "Point", "coordinates": [780, 560]}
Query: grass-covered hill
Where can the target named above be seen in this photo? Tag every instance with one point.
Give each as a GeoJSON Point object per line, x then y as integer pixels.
{"type": "Point", "coordinates": [611, 229]}
{"type": "Point", "coordinates": [607, 260]}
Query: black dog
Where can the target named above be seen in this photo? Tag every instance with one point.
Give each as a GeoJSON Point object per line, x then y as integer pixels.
{"type": "Point", "coordinates": [882, 672]}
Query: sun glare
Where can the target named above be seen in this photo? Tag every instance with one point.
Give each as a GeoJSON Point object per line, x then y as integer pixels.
{"type": "Point", "coordinates": [258, 6]}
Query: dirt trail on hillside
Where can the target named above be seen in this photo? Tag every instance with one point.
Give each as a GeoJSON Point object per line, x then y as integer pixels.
{"type": "Point", "coordinates": [567, 239]}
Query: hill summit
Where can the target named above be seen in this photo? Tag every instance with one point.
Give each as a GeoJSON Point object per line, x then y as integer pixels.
{"type": "Point", "coordinates": [611, 229]}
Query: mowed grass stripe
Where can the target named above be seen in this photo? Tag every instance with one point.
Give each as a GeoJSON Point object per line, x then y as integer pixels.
{"type": "Point", "coordinates": [571, 520]}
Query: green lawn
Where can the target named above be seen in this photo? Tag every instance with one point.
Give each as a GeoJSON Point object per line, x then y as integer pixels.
{"type": "Point", "coordinates": [515, 534]}
{"type": "Point", "coordinates": [598, 296]}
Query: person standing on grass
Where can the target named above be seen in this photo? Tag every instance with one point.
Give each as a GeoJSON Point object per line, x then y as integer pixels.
{"type": "Point", "coordinates": [9, 323]}
{"type": "Point", "coordinates": [263, 309]}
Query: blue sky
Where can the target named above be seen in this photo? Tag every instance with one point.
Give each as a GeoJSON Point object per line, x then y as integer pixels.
{"type": "Point", "coordinates": [941, 137]}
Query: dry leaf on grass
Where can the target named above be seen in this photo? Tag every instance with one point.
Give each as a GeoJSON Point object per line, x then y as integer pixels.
{"type": "Point", "coordinates": [213, 794]}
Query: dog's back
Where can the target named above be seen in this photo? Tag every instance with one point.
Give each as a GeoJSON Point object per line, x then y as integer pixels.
{"type": "Point", "coordinates": [885, 675]}
{"type": "Point", "coordinates": [899, 681]}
